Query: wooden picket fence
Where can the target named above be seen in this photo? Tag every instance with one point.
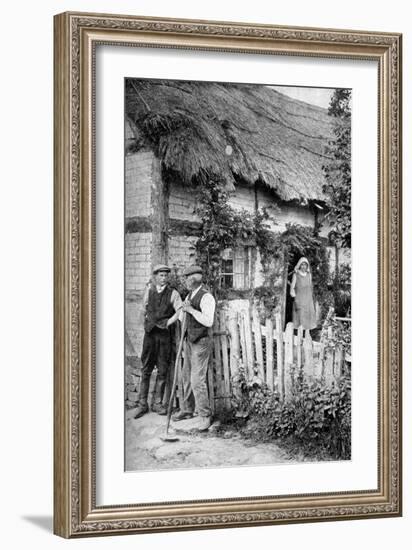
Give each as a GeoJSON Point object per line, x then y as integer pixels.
{"type": "Point", "coordinates": [265, 351]}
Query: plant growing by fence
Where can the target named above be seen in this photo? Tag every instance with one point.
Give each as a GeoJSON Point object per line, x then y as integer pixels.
{"type": "Point", "coordinates": [342, 290]}
{"type": "Point", "coordinates": [337, 334]}
{"type": "Point", "coordinates": [251, 396]}
{"type": "Point", "coordinates": [316, 418]}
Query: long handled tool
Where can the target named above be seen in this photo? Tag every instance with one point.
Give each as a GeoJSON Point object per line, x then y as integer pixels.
{"type": "Point", "coordinates": [167, 436]}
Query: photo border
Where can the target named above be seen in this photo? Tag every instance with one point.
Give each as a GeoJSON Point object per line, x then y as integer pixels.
{"type": "Point", "coordinates": [76, 37]}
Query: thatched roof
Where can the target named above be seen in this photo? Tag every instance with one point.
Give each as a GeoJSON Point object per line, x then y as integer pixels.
{"type": "Point", "coordinates": [273, 138]}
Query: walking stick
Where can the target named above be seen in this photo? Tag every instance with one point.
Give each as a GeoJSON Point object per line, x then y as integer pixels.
{"type": "Point", "coordinates": [167, 436]}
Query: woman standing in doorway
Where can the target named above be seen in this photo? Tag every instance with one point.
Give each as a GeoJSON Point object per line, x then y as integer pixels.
{"type": "Point", "coordinates": [301, 290]}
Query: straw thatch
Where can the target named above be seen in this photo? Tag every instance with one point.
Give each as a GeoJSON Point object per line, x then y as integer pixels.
{"type": "Point", "coordinates": [273, 139]}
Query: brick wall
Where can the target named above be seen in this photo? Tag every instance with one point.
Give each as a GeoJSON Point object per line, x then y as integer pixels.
{"type": "Point", "coordinates": [138, 246]}
{"type": "Point", "coordinates": [138, 270]}
{"type": "Point", "coordinates": [181, 203]}
{"type": "Point", "coordinates": [138, 169]}
{"type": "Point", "coordinates": [181, 253]}
{"type": "Point", "coordinates": [287, 213]}
{"type": "Point", "coordinates": [243, 198]}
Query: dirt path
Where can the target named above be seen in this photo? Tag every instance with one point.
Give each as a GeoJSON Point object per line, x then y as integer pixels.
{"type": "Point", "coordinates": [146, 451]}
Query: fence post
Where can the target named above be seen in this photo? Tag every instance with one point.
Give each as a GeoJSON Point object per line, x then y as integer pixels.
{"type": "Point", "coordinates": [225, 357]}
{"type": "Point", "coordinates": [248, 340]}
{"type": "Point", "coordinates": [299, 349]}
{"type": "Point", "coordinates": [233, 328]}
{"type": "Point", "coordinates": [329, 360]}
{"type": "Point", "coordinates": [308, 351]}
{"type": "Point", "coordinates": [269, 353]}
{"type": "Point", "coordinates": [337, 371]}
{"type": "Point", "coordinates": [243, 341]}
{"type": "Point", "coordinates": [288, 360]}
{"type": "Point", "coordinates": [218, 366]}
{"type": "Point", "coordinates": [211, 384]}
{"type": "Point", "coordinates": [322, 360]}
{"type": "Point", "coordinates": [279, 354]}
{"type": "Point", "coordinates": [328, 366]}
{"type": "Point", "coordinates": [258, 342]}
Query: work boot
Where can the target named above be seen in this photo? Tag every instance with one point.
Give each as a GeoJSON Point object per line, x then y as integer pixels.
{"type": "Point", "coordinates": [157, 405]}
{"type": "Point", "coordinates": [159, 408]}
{"type": "Point", "coordinates": [142, 409]}
{"type": "Point", "coordinates": [204, 423]}
{"type": "Point", "coordinates": [182, 415]}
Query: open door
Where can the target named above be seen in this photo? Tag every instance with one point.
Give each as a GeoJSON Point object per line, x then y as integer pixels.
{"type": "Point", "coordinates": [287, 306]}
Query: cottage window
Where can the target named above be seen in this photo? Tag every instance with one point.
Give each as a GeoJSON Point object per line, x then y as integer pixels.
{"type": "Point", "coordinates": [227, 273]}
{"type": "Point", "coordinates": [236, 268]}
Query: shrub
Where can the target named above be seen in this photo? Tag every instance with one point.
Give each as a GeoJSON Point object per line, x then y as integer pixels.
{"type": "Point", "coordinates": [318, 414]}
{"type": "Point", "coordinates": [252, 396]}
{"type": "Point", "coordinates": [315, 417]}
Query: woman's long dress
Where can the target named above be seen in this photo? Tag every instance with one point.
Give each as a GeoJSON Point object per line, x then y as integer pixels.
{"type": "Point", "coordinates": [303, 306]}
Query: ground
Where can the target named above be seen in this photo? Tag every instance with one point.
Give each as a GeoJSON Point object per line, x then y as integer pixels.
{"type": "Point", "coordinates": [146, 450]}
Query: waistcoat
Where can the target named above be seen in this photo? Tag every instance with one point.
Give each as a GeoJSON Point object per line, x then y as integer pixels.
{"type": "Point", "coordinates": [196, 330]}
{"type": "Point", "coordinates": [159, 308]}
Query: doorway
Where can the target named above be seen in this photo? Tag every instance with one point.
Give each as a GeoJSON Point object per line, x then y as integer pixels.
{"type": "Point", "coordinates": [294, 257]}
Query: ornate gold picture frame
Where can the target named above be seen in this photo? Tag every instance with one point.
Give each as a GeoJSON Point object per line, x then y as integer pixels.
{"type": "Point", "coordinates": [76, 510]}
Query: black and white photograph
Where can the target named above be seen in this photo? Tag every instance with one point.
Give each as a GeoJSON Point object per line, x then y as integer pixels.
{"type": "Point", "coordinates": [237, 246]}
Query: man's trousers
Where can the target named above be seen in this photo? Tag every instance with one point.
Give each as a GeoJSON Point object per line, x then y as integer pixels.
{"type": "Point", "coordinates": [194, 376]}
{"type": "Point", "coordinates": [157, 350]}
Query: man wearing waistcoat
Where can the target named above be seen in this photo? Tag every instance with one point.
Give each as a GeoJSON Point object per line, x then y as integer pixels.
{"type": "Point", "coordinates": [161, 305]}
{"type": "Point", "coordinates": [200, 310]}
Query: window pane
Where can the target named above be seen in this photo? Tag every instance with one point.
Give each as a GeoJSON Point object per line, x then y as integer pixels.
{"type": "Point", "coordinates": [227, 281]}
{"type": "Point", "coordinates": [227, 266]}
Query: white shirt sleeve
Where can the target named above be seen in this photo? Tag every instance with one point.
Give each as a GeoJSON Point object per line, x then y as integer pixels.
{"type": "Point", "coordinates": [176, 300]}
{"type": "Point", "coordinates": [207, 310]}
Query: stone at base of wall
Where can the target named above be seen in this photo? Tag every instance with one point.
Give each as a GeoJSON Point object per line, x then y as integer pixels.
{"type": "Point", "coordinates": [133, 367]}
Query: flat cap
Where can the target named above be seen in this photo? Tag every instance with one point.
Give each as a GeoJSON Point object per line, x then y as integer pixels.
{"type": "Point", "coordinates": [161, 267]}
{"type": "Point", "coordinates": [191, 270]}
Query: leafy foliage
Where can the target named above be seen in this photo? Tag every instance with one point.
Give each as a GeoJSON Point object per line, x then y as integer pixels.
{"type": "Point", "coordinates": [252, 396]}
{"type": "Point", "coordinates": [338, 168]}
{"type": "Point", "coordinates": [342, 290]}
{"type": "Point", "coordinates": [339, 335]}
{"type": "Point", "coordinates": [222, 227]}
{"type": "Point", "coordinates": [226, 227]}
{"type": "Point", "coordinates": [315, 416]}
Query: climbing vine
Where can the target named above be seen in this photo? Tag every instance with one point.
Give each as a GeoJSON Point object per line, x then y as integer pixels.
{"type": "Point", "coordinates": [222, 227]}
{"type": "Point", "coordinates": [226, 227]}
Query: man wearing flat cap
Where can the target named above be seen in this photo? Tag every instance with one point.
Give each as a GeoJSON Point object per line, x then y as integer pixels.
{"type": "Point", "coordinates": [200, 310]}
{"type": "Point", "coordinates": [161, 306]}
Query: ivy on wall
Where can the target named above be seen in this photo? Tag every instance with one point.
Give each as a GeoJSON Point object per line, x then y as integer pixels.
{"type": "Point", "coordinates": [222, 227]}
{"type": "Point", "coordinates": [226, 227]}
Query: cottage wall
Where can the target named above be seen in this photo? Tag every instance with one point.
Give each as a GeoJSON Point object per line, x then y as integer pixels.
{"type": "Point", "coordinates": [181, 253]}
{"type": "Point", "coordinates": [285, 213]}
{"type": "Point", "coordinates": [138, 245]}
{"type": "Point", "coordinates": [243, 198]}
{"type": "Point", "coordinates": [181, 203]}
{"type": "Point", "coordinates": [138, 175]}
